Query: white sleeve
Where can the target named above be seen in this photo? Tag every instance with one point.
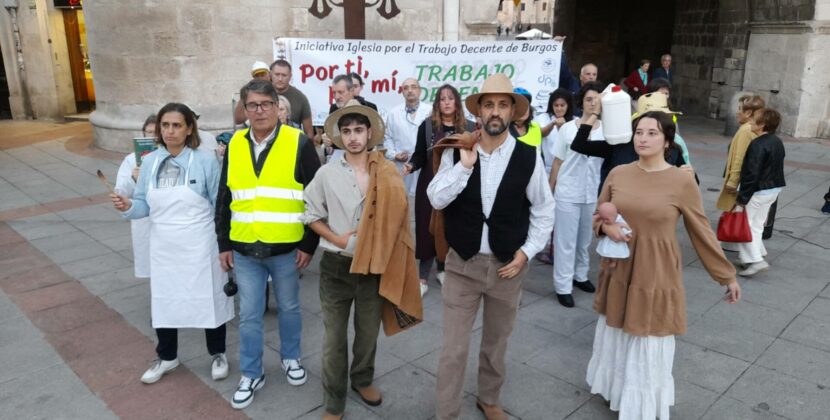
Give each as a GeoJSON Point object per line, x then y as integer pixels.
{"type": "Point", "coordinates": [542, 207]}
{"type": "Point", "coordinates": [450, 180]}
{"type": "Point", "coordinates": [124, 182]}
{"type": "Point", "coordinates": [389, 138]}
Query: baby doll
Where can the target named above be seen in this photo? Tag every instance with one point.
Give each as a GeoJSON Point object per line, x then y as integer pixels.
{"type": "Point", "coordinates": [607, 247]}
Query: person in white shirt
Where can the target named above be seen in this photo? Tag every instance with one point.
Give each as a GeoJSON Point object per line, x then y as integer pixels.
{"type": "Point", "coordinates": [574, 180]}
{"type": "Point", "coordinates": [498, 211]}
{"type": "Point", "coordinates": [139, 228]}
{"type": "Point", "coordinates": [402, 124]}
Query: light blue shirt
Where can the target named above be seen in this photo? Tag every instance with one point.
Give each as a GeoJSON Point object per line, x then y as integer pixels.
{"type": "Point", "coordinates": [203, 177]}
{"type": "Point", "coordinates": [682, 143]}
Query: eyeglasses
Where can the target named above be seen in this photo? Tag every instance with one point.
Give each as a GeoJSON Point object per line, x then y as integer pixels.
{"type": "Point", "coordinates": [265, 106]}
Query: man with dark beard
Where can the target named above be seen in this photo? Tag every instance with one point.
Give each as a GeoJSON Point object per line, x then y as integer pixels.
{"type": "Point", "coordinates": [498, 211]}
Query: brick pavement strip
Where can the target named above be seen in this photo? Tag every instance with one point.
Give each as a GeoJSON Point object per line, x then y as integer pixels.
{"type": "Point", "coordinates": [82, 329]}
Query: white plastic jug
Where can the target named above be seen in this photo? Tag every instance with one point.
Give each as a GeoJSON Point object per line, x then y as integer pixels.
{"type": "Point", "coordinates": [616, 115]}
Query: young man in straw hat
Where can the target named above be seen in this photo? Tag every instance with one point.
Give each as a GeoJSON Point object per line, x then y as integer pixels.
{"type": "Point", "coordinates": [358, 206]}
{"type": "Point", "coordinates": [498, 212]}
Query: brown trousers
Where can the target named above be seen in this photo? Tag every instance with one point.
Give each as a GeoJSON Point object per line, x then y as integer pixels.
{"type": "Point", "coordinates": [467, 283]}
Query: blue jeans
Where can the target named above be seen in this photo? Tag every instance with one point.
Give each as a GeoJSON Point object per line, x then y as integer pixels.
{"type": "Point", "coordinates": [251, 275]}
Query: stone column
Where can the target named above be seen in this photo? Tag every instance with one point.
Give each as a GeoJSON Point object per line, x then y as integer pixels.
{"type": "Point", "coordinates": [146, 54]}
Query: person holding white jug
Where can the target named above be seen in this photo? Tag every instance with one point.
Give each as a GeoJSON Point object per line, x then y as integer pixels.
{"type": "Point", "coordinates": [177, 188]}
{"type": "Point", "coordinates": [574, 180]}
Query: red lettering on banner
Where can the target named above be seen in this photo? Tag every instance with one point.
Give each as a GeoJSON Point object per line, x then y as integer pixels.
{"type": "Point", "coordinates": [321, 73]}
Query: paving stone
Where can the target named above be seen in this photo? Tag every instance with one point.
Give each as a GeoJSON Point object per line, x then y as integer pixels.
{"type": "Point", "coordinates": [593, 409]}
{"type": "Point", "coordinates": [779, 297]}
{"type": "Point", "coordinates": [50, 398]}
{"type": "Point", "coordinates": [70, 247]}
{"type": "Point", "coordinates": [18, 327]}
{"type": "Point", "coordinates": [354, 410]}
{"type": "Point", "coordinates": [819, 309]}
{"type": "Point", "coordinates": [797, 360]}
{"type": "Point", "coordinates": [25, 357]}
{"type": "Point", "coordinates": [554, 317]}
{"type": "Point", "coordinates": [412, 344]}
{"type": "Point", "coordinates": [50, 297]}
{"type": "Point", "coordinates": [43, 226]}
{"type": "Point", "coordinates": [751, 316]}
{"type": "Point", "coordinates": [528, 340]}
{"type": "Point", "coordinates": [527, 392]}
{"type": "Point", "coordinates": [111, 280]}
{"type": "Point", "coordinates": [565, 358]}
{"type": "Point", "coordinates": [727, 339]}
{"type": "Point", "coordinates": [727, 408]}
{"type": "Point", "coordinates": [783, 395]}
{"type": "Point", "coordinates": [408, 393]}
{"type": "Point", "coordinates": [810, 332]}
{"type": "Point", "coordinates": [690, 400]}
{"type": "Point", "coordinates": [96, 265]}
{"type": "Point", "coordinates": [706, 368]}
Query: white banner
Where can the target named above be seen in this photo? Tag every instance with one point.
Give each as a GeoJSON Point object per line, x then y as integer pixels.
{"type": "Point", "coordinates": [384, 65]}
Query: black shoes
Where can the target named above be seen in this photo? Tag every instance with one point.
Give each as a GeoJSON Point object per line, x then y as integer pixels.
{"type": "Point", "coordinates": [566, 300]}
{"type": "Point", "coordinates": [585, 286]}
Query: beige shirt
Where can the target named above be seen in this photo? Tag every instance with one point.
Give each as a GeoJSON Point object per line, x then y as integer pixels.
{"type": "Point", "coordinates": [334, 196]}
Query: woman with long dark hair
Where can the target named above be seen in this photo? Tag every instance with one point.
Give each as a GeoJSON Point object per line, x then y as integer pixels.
{"type": "Point", "coordinates": [640, 299]}
{"type": "Point", "coordinates": [177, 188]}
{"type": "Point", "coordinates": [447, 118]}
{"type": "Point", "coordinates": [559, 111]}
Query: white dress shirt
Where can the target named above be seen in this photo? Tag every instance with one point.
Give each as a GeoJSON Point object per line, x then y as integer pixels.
{"type": "Point", "coordinates": [578, 178]}
{"type": "Point", "coordinates": [452, 178]}
{"type": "Point", "coordinates": [401, 136]}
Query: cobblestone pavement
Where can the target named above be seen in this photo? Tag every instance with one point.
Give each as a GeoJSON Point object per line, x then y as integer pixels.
{"type": "Point", "coordinates": [75, 330]}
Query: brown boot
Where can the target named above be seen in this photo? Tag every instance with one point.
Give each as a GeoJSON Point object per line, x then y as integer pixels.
{"type": "Point", "coordinates": [327, 416]}
{"type": "Point", "coordinates": [370, 395]}
{"type": "Point", "coordinates": [491, 412]}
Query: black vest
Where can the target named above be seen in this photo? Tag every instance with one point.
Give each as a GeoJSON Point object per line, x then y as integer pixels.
{"type": "Point", "coordinates": [509, 219]}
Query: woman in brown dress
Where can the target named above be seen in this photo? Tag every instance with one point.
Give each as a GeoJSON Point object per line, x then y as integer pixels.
{"type": "Point", "coordinates": [447, 118]}
{"type": "Point", "coordinates": [641, 301]}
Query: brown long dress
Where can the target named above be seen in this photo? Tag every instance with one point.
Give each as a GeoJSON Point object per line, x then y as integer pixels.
{"type": "Point", "coordinates": [644, 294]}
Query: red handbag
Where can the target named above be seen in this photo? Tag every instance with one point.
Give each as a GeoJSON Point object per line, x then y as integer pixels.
{"type": "Point", "coordinates": [734, 227]}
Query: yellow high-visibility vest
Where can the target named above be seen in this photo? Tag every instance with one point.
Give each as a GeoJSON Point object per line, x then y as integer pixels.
{"type": "Point", "coordinates": [533, 137]}
{"type": "Point", "coordinates": [265, 209]}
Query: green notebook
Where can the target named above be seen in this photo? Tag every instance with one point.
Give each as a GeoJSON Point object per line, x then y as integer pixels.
{"type": "Point", "coordinates": [143, 146]}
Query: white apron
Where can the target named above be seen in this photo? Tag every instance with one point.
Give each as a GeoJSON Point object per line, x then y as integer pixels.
{"type": "Point", "coordinates": [140, 232]}
{"type": "Point", "coordinates": [186, 279]}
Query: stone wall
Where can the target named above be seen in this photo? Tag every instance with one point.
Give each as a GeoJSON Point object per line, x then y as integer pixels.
{"type": "Point", "coordinates": [147, 53]}
{"type": "Point", "coordinates": [695, 43]}
{"type": "Point", "coordinates": [614, 35]}
{"type": "Point", "coordinates": [788, 64]}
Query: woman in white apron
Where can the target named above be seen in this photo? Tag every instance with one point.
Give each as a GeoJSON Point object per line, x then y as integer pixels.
{"type": "Point", "coordinates": [177, 188]}
{"type": "Point", "coordinates": [139, 228]}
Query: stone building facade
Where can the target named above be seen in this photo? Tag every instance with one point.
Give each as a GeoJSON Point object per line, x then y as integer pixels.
{"type": "Point", "coordinates": [720, 48]}
{"type": "Point", "coordinates": [145, 53]}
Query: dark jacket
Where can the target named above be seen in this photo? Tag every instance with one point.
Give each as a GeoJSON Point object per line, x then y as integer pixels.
{"type": "Point", "coordinates": [635, 81]}
{"type": "Point", "coordinates": [306, 166]}
{"type": "Point", "coordinates": [617, 154]}
{"type": "Point", "coordinates": [661, 73]}
{"type": "Point", "coordinates": [763, 167]}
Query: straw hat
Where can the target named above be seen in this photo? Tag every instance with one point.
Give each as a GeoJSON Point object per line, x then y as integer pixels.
{"type": "Point", "coordinates": [654, 101]}
{"type": "Point", "coordinates": [497, 83]}
{"type": "Point", "coordinates": [259, 67]}
{"type": "Point", "coordinates": [354, 107]}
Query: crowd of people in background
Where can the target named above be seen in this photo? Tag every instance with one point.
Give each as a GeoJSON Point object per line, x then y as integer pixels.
{"type": "Point", "coordinates": [489, 194]}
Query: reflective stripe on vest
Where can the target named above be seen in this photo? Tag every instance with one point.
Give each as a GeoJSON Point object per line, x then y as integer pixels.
{"type": "Point", "coordinates": [265, 209]}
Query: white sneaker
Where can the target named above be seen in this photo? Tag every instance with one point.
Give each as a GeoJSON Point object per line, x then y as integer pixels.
{"type": "Point", "coordinates": [440, 276]}
{"type": "Point", "coordinates": [219, 367]}
{"type": "Point", "coordinates": [424, 289]}
{"type": "Point", "coordinates": [158, 369]}
{"type": "Point", "coordinates": [754, 268]}
{"type": "Point", "coordinates": [294, 372]}
{"type": "Point", "coordinates": [244, 394]}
